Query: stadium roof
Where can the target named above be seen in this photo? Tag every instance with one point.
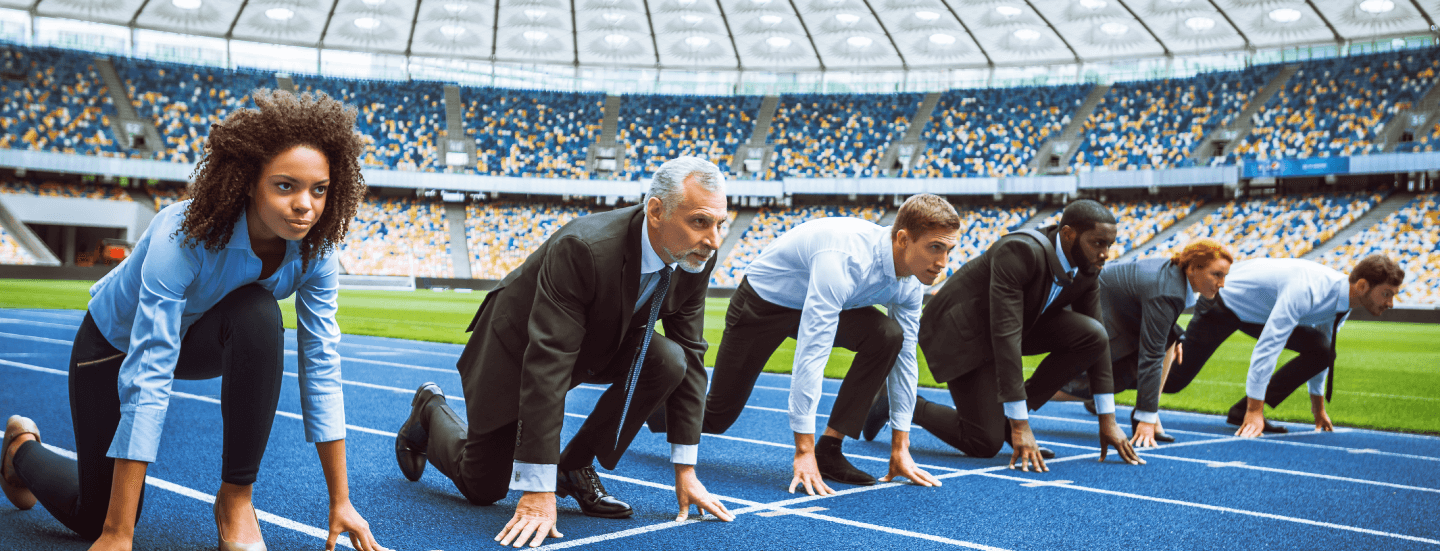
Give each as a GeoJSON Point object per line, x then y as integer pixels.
{"type": "Point", "coordinates": [771, 35]}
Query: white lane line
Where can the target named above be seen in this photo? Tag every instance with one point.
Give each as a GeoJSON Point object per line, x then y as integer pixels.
{"type": "Point", "coordinates": [761, 408]}
{"type": "Point", "coordinates": [1243, 465]}
{"type": "Point", "coordinates": [1349, 392]}
{"type": "Point", "coordinates": [36, 339]}
{"type": "Point", "coordinates": [1224, 509]}
{"type": "Point", "coordinates": [271, 518]}
{"type": "Point", "coordinates": [343, 359]}
{"type": "Point", "coordinates": [38, 323]}
{"type": "Point", "coordinates": [76, 315]}
{"type": "Point", "coordinates": [1176, 431]}
{"type": "Point", "coordinates": [1351, 450]}
{"type": "Point", "coordinates": [397, 349]}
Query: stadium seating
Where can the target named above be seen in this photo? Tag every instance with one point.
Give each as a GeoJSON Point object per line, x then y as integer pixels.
{"type": "Point", "coordinates": [657, 128]}
{"type": "Point", "coordinates": [1411, 236]}
{"type": "Point", "coordinates": [1139, 221]}
{"type": "Point", "coordinates": [1425, 140]}
{"type": "Point", "coordinates": [531, 132]}
{"type": "Point", "coordinates": [1277, 227]}
{"type": "Point", "coordinates": [980, 227]}
{"type": "Point", "coordinates": [184, 100]}
{"type": "Point", "coordinates": [1338, 106]}
{"type": "Point", "coordinates": [770, 223]}
{"type": "Point", "coordinates": [398, 237]}
{"type": "Point", "coordinates": [11, 252]}
{"type": "Point", "coordinates": [66, 190]}
{"type": "Point", "coordinates": [402, 121]}
{"type": "Point", "coordinates": [993, 132]}
{"type": "Point", "coordinates": [836, 135]}
{"type": "Point", "coordinates": [53, 100]}
{"type": "Point", "coordinates": [1159, 123]}
{"type": "Point", "coordinates": [500, 235]}
{"type": "Point", "coordinates": [166, 196]}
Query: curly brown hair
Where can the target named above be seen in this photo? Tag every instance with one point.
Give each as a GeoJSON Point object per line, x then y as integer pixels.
{"type": "Point", "coordinates": [240, 146]}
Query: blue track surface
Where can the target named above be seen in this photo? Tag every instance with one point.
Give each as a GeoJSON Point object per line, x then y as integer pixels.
{"type": "Point", "coordinates": [1352, 489]}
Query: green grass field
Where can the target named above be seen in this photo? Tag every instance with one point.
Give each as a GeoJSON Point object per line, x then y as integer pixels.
{"type": "Point", "coordinates": [1389, 372]}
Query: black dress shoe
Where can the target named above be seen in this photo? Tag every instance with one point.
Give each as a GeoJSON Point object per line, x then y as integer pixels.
{"type": "Point", "coordinates": [594, 501]}
{"type": "Point", "coordinates": [1239, 420]}
{"type": "Point", "coordinates": [834, 466]}
{"type": "Point", "coordinates": [1046, 453]}
{"type": "Point", "coordinates": [878, 416]}
{"type": "Point", "coordinates": [412, 439]}
{"type": "Point", "coordinates": [1160, 435]}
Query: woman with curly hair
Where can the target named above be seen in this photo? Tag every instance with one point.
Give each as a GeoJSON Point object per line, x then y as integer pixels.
{"type": "Point", "coordinates": [197, 299]}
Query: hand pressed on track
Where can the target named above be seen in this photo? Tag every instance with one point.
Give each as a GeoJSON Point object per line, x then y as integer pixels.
{"type": "Point", "coordinates": [534, 515]}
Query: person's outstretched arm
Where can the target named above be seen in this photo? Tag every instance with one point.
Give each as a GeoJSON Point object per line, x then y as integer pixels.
{"type": "Point", "coordinates": [343, 516]}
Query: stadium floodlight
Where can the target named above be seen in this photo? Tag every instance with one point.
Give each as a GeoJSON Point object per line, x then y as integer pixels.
{"type": "Point", "coordinates": [686, 3]}
{"type": "Point", "coordinates": [1376, 6]}
{"type": "Point", "coordinates": [942, 39]}
{"type": "Point", "coordinates": [373, 2]}
{"type": "Point", "coordinates": [1114, 29]}
{"type": "Point", "coordinates": [617, 41]}
{"type": "Point", "coordinates": [770, 20]}
{"type": "Point", "coordinates": [1027, 35]}
{"type": "Point", "coordinates": [926, 15]}
{"type": "Point", "coordinates": [279, 14]}
{"type": "Point", "coordinates": [186, 4]}
{"type": "Point", "coordinates": [760, 2]}
{"type": "Point", "coordinates": [691, 19]}
{"type": "Point", "coordinates": [697, 42]}
{"type": "Point", "coordinates": [1093, 5]}
{"type": "Point", "coordinates": [536, 36]}
{"type": "Point", "coordinates": [367, 23]}
{"type": "Point", "coordinates": [859, 42]}
{"type": "Point", "coordinates": [1200, 24]}
{"type": "Point", "coordinates": [452, 31]}
{"type": "Point", "coordinates": [847, 19]}
{"type": "Point", "coordinates": [613, 18]}
{"type": "Point", "coordinates": [778, 42]}
{"type": "Point", "coordinates": [456, 8]}
{"type": "Point", "coordinates": [1285, 15]}
{"type": "Point", "coordinates": [1398, 43]}
{"type": "Point", "coordinates": [1007, 11]}
{"type": "Point", "coordinates": [535, 15]}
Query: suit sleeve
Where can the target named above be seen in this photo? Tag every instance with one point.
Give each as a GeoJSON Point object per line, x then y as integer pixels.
{"type": "Point", "coordinates": [564, 290]}
{"type": "Point", "coordinates": [685, 407]}
{"type": "Point", "coordinates": [1010, 271]}
{"type": "Point", "coordinates": [1157, 319]}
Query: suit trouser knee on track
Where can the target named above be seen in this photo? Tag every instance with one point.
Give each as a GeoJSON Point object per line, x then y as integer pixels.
{"type": "Point", "coordinates": [755, 328]}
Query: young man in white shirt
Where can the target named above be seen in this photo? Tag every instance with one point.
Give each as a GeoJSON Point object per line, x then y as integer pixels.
{"type": "Point", "coordinates": [1283, 303]}
{"type": "Point", "coordinates": [818, 283]}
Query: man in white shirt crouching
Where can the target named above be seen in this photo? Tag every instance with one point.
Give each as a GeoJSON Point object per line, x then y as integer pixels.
{"type": "Point", "coordinates": [1283, 303]}
{"type": "Point", "coordinates": [818, 283]}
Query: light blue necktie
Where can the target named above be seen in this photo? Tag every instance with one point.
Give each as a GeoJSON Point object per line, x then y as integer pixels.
{"type": "Point", "coordinates": [656, 299]}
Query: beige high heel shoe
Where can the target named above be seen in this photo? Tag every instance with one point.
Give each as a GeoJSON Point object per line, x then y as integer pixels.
{"type": "Point", "coordinates": [14, 489]}
{"type": "Point", "coordinates": [230, 545]}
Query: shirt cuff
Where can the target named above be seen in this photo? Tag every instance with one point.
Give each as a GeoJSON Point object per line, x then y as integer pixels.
{"type": "Point", "coordinates": [684, 454]}
{"type": "Point", "coordinates": [1317, 383]}
{"type": "Point", "coordinates": [1104, 404]}
{"type": "Point", "coordinates": [1016, 410]}
{"type": "Point", "coordinates": [802, 424]}
{"type": "Point", "coordinates": [1151, 417]}
{"type": "Point", "coordinates": [324, 417]}
{"type": "Point", "coordinates": [137, 438]}
{"type": "Point", "coordinates": [533, 477]}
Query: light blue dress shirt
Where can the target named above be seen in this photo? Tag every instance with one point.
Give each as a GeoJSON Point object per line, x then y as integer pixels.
{"type": "Point", "coordinates": [1282, 294]}
{"type": "Point", "coordinates": [1104, 403]}
{"type": "Point", "coordinates": [535, 477]}
{"type": "Point", "coordinates": [822, 267]}
{"type": "Point", "coordinates": [146, 304]}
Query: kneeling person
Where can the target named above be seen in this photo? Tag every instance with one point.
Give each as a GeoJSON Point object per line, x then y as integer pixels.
{"type": "Point", "coordinates": [818, 283]}
{"type": "Point", "coordinates": [583, 309]}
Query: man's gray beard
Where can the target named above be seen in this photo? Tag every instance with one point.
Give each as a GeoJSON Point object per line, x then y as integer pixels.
{"type": "Point", "coordinates": [683, 259]}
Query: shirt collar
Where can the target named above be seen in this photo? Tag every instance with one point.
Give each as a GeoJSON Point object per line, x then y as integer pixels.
{"type": "Point", "coordinates": [886, 248]}
{"type": "Point", "coordinates": [240, 235]}
{"type": "Point", "coordinates": [1064, 262]}
{"type": "Point", "coordinates": [649, 261]}
{"type": "Point", "coordinates": [1190, 298]}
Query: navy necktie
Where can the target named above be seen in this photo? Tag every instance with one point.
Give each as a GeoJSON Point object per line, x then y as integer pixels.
{"type": "Point", "coordinates": [1334, 334]}
{"type": "Point", "coordinates": [656, 299]}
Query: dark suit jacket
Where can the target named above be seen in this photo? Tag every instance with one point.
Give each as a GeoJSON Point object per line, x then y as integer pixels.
{"type": "Point", "coordinates": [1142, 300]}
{"type": "Point", "coordinates": [560, 319]}
{"type": "Point", "coordinates": [983, 312]}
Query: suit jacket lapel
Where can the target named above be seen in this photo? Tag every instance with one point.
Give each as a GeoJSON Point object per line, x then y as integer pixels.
{"type": "Point", "coordinates": [1052, 261]}
{"type": "Point", "coordinates": [630, 268]}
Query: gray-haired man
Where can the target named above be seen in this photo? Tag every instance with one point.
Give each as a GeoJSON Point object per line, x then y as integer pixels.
{"type": "Point", "coordinates": [583, 309]}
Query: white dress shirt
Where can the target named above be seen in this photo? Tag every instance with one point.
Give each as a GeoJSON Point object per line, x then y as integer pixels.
{"type": "Point", "coordinates": [533, 477]}
{"type": "Point", "coordinates": [1283, 293]}
{"type": "Point", "coordinates": [822, 267]}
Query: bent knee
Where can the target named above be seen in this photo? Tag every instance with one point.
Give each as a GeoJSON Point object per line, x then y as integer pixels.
{"type": "Point", "coordinates": [668, 360]}
{"type": "Point", "coordinates": [983, 448]}
{"type": "Point", "coordinates": [253, 304]}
